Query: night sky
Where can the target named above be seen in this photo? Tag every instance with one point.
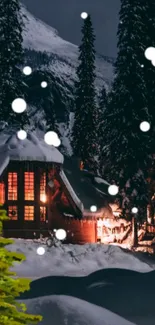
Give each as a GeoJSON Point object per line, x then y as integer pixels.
{"type": "Point", "coordinates": [64, 15]}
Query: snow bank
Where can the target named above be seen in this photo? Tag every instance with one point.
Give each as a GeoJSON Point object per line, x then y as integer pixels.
{"type": "Point", "coordinates": [64, 310]}
{"type": "Point", "coordinates": [73, 260]}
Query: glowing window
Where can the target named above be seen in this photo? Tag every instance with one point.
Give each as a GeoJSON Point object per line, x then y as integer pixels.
{"type": "Point", "coordinates": [12, 186]}
{"type": "Point", "coordinates": [2, 193]}
{"type": "Point", "coordinates": [43, 188]}
{"type": "Point", "coordinates": [81, 165]}
{"type": "Point", "coordinates": [13, 212]}
{"type": "Point", "coordinates": [29, 186]}
{"type": "Point", "coordinates": [28, 213]}
{"type": "Point", "coordinates": [42, 214]}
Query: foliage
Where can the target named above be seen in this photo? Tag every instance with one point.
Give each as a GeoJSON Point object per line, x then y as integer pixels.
{"type": "Point", "coordinates": [125, 155]}
{"type": "Point", "coordinates": [11, 57]}
{"type": "Point", "coordinates": [11, 312]}
{"type": "Point", "coordinates": [84, 133]}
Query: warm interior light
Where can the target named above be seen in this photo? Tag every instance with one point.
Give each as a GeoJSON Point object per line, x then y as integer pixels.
{"type": "Point", "coordinates": [43, 198]}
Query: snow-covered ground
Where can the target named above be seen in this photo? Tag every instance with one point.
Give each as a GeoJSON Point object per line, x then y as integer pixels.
{"type": "Point", "coordinates": [73, 260]}
{"type": "Point", "coordinates": [92, 284]}
{"type": "Point", "coordinates": [64, 310]}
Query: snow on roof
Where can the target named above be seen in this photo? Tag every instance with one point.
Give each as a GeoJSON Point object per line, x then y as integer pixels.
{"type": "Point", "coordinates": [30, 149]}
{"type": "Point", "coordinates": [71, 191]}
{"type": "Point", "coordinates": [100, 180]}
{"type": "Point", "coordinates": [85, 188]}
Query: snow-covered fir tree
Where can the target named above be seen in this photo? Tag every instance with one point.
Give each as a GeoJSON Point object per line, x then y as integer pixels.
{"type": "Point", "coordinates": [149, 68]}
{"type": "Point", "coordinates": [11, 85]}
{"type": "Point", "coordinates": [102, 99]}
{"type": "Point", "coordinates": [84, 133]}
{"type": "Point", "coordinates": [101, 109]}
{"type": "Point", "coordinates": [42, 98]}
{"type": "Point", "coordinates": [125, 153]}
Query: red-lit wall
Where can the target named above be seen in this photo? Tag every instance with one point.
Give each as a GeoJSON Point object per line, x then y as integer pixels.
{"type": "Point", "coordinates": [78, 231]}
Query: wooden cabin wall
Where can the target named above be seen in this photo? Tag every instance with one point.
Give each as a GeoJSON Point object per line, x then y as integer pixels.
{"type": "Point", "coordinates": [78, 231]}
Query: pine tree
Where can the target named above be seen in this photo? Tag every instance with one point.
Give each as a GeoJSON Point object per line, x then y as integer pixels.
{"type": "Point", "coordinates": [42, 98]}
{"type": "Point", "coordinates": [84, 133]}
{"type": "Point", "coordinates": [11, 86]}
{"type": "Point", "coordinates": [149, 68]}
{"type": "Point", "coordinates": [11, 312]}
{"type": "Point", "coordinates": [102, 99]}
{"type": "Point", "coordinates": [101, 109]}
{"type": "Point", "coordinates": [125, 153]}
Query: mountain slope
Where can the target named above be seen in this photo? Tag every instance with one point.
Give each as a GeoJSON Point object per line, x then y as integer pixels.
{"type": "Point", "coordinates": [40, 37]}
{"type": "Point", "coordinates": [55, 59]}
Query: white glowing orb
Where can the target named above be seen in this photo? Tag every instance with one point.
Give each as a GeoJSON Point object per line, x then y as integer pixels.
{"type": "Point", "coordinates": [93, 208]}
{"type": "Point", "coordinates": [153, 62]}
{"type": "Point", "coordinates": [134, 210]}
{"type": "Point", "coordinates": [84, 15]}
{"type": "Point", "coordinates": [43, 84]}
{"type": "Point", "coordinates": [27, 70]}
{"type": "Point", "coordinates": [19, 105]}
{"type": "Point", "coordinates": [22, 135]}
{"type": "Point", "coordinates": [150, 53]}
{"type": "Point", "coordinates": [142, 65]}
{"type": "Point", "coordinates": [113, 189]}
{"type": "Point", "coordinates": [144, 126]}
{"type": "Point", "coordinates": [61, 234]}
{"type": "Point", "coordinates": [54, 230]}
{"type": "Point", "coordinates": [40, 250]}
{"type": "Point", "coordinates": [56, 142]}
{"type": "Point", "coordinates": [51, 138]}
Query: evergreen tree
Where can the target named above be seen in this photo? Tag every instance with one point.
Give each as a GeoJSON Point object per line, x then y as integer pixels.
{"type": "Point", "coordinates": [101, 109]}
{"type": "Point", "coordinates": [125, 153]}
{"type": "Point", "coordinates": [102, 99]}
{"type": "Point", "coordinates": [149, 68]}
{"type": "Point", "coordinates": [11, 86]}
{"type": "Point", "coordinates": [84, 133]}
{"type": "Point", "coordinates": [11, 312]}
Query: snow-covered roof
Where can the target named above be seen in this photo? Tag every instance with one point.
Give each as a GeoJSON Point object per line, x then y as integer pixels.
{"type": "Point", "coordinates": [77, 201]}
{"type": "Point", "coordinates": [30, 149]}
{"type": "Point", "coordinates": [83, 190]}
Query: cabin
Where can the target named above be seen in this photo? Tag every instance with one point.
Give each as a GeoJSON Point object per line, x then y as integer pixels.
{"type": "Point", "coordinates": [42, 191]}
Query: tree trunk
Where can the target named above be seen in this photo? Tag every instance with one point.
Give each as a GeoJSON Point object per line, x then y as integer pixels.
{"type": "Point", "coordinates": [134, 232]}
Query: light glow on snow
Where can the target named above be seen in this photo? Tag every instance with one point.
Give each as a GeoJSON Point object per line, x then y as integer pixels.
{"type": "Point", "coordinates": [19, 105]}
{"type": "Point", "coordinates": [113, 189]}
{"type": "Point", "coordinates": [52, 139]}
{"type": "Point", "coordinates": [43, 84]}
{"type": "Point", "coordinates": [150, 53]}
{"type": "Point", "coordinates": [40, 250]}
{"type": "Point", "coordinates": [134, 210]}
{"type": "Point", "coordinates": [27, 70]}
{"type": "Point", "coordinates": [93, 208]}
{"type": "Point", "coordinates": [145, 126]}
{"type": "Point", "coordinates": [61, 234]}
{"type": "Point", "coordinates": [84, 15]}
{"type": "Point", "coordinates": [22, 135]}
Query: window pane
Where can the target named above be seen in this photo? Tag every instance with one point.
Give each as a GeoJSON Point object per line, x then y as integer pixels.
{"type": "Point", "coordinates": [2, 193]}
{"type": "Point", "coordinates": [42, 214]}
{"type": "Point", "coordinates": [12, 186]}
{"type": "Point", "coordinates": [29, 213]}
{"type": "Point", "coordinates": [29, 186]}
{"type": "Point", "coordinates": [13, 212]}
{"type": "Point", "coordinates": [43, 188]}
